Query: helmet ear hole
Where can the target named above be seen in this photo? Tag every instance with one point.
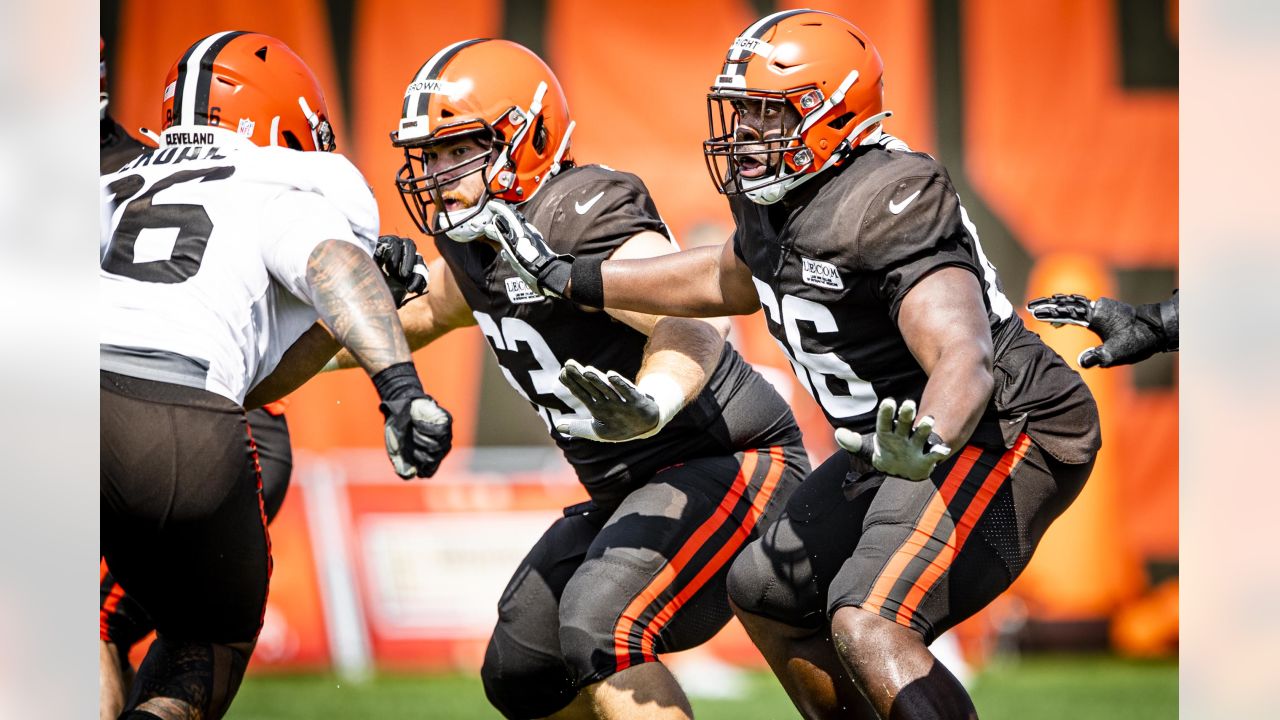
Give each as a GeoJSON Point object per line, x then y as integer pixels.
{"type": "Point", "coordinates": [291, 140]}
{"type": "Point", "coordinates": [540, 136]}
{"type": "Point", "coordinates": [840, 122]}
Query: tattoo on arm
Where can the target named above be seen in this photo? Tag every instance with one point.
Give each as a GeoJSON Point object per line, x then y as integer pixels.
{"type": "Point", "coordinates": [353, 300]}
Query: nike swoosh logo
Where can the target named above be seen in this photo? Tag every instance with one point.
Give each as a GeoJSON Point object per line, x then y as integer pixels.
{"type": "Point", "coordinates": [582, 209]}
{"type": "Point", "coordinates": [896, 208]}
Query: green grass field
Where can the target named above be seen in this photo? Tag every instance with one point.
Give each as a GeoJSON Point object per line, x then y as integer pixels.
{"type": "Point", "coordinates": [1037, 688]}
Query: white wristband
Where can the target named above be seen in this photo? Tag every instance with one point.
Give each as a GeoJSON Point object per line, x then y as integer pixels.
{"type": "Point", "coordinates": [666, 392]}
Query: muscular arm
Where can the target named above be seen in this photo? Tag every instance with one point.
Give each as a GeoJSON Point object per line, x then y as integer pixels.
{"type": "Point", "coordinates": [944, 323]}
{"type": "Point", "coordinates": [428, 319]}
{"type": "Point", "coordinates": [304, 358]}
{"type": "Point", "coordinates": [685, 350]}
{"type": "Point", "coordinates": [707, 281]}
{"type": "Point", "coordinates": [353, 301]}
{"type": "Point", "coordinates": [425, 320]}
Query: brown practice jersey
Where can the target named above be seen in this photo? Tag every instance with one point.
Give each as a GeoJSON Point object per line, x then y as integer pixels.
{"type": "Point", "coordinates": [590, 211]}
{"type": "Point", "coordinates": [832, 263]}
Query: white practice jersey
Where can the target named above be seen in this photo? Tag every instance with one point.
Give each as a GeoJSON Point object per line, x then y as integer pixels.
{"type": "Point", "coordinates": [204, 257]}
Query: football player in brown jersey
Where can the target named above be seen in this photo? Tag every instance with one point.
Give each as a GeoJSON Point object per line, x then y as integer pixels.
{"type": "Point", "coordinates": [686, 453]}
{"type": "Point", "coordinates": [966, 435]}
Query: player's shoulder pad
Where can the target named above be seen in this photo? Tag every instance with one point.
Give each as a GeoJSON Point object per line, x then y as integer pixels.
{"type": "Point", "coordinates": [900, 205]}
{"type": "Point", "coordinates": [591, 206]}
{"type": "Point", "coordinates": [589, 189]}
{"type": "Point", "coordinates": [331, 175]}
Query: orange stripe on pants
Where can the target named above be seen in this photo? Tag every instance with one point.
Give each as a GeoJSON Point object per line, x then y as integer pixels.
{"type": "Point", "coordinates": [731, 547]}
{"type": "Point", "coordinates": [923, 530]}
{"type": "Point", "coordinates": [960, 533]}
{"type": "Point", "coordinates": [663, 579]}
{"type": "Point", "coordinates": [109, 607]}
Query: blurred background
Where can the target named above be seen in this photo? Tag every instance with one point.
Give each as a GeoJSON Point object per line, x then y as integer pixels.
{"type": "Point", "coordinates": [1058, 121]}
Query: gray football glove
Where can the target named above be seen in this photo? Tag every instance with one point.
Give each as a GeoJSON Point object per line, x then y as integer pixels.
{"type": "Point", "coordinates": [620, 411]}
{"type": "Point", "coordinates": [895, 448]}
{"type": "Point", "coordinates": [419, 433]}
{"type": "Point", "coordinates": [527, 252]}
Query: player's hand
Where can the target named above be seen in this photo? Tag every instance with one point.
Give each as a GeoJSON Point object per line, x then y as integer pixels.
{"type": "Point", "coordinates": [1062, 309]}
{"type": "Point", "coordinates": [419, 433]}
{"type": "Point", "coordinates": [620, 411]}
{"type": "Point", "coordinates": [527, 252]}
{"type": "Point", "coordinates": [1126, 338]}
{"type": "Point", "coordinates": [404, 269]}
{"type": "Point", "coordinates": [895, 448]}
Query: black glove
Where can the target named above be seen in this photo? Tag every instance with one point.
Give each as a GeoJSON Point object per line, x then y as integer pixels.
{"type": "Point", "coordinates": [402, 266]}
{"type": "Point", "coordinates": [526, 252]}
{"type": "Point", "coordinates": [418, 432]}
{"type": "Point", "coordinates": [1129, 334]}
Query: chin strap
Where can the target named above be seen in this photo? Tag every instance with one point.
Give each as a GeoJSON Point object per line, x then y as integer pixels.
{"type": "Point", "coordinates": [470, 223]}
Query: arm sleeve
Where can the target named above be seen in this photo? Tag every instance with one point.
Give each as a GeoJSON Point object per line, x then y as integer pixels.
{"type": "Point", "coordinates": [300, 221]}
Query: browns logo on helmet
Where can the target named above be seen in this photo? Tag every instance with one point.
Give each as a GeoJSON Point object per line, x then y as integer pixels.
{"type": "Point", "coordinates": [496, 90]}
{"type": "Point", "coordinates": [251, 84]}
{"type": "Point", "coordinates": [814, 74]}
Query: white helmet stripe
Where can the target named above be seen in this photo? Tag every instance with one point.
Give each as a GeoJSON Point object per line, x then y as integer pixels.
{"type": "Point", "coordinates": [430, 70]}
{"type": "Point", "coordinates": [740, 52]}
{"type": "Point", "coordinates": [192, 79]}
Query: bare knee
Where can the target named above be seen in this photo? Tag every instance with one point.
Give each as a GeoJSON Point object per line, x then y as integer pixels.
{"type": "Point", "coordinates": [859, 633]}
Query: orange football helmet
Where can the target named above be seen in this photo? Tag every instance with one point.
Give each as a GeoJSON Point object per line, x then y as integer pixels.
{"type": "Point", "coordinates": [500, 90]}
{"type": "Point", "coordinates": [251, 84]}
{"type": "Point", "coordinates": [804, 64]}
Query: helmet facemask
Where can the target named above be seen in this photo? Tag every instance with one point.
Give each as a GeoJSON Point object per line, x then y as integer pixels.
{"type": "Point", "coordinates": [756, 145]}
{"type": "Point", "coordinates": [424, 192]}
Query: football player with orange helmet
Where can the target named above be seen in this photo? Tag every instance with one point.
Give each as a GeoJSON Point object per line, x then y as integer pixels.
{"type": "Point", "coordinates": [965, 435]}
{"type": "Point", "coordinates": [685, 451]}
{"type": "Point", "coordinates": [122, 622]}
{"type": "Point", "coordinates": [268, 233]}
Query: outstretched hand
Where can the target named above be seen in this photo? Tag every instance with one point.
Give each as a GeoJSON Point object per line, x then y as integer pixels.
{"type": "Point", "coordinates": [619, 410]}
{"type": "Point", "coordinates": [896, 447]}
{"type": "Point", "coordinates": [1126, 338]}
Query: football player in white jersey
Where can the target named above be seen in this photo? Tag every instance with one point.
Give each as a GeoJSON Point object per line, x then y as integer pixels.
{"type": "Point", "coordinates": [223, 246]}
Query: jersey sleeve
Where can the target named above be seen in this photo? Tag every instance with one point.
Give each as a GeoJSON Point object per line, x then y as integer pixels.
{"type": "Point", "coordinates": [298, 221]}
{"type": "Point", "coordinates": [345, 188]}
{"type": "Point", "coordinates": [913, 226]}
{"type": "Point", "coordinates": [597, 217]}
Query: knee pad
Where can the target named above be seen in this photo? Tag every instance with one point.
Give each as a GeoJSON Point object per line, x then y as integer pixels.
{"type": "Point", "coordinates": [523, 684]}
{"type": "Point", "coordinates": [759, 586]}
{"type": "Point", "coordinates": [594, 621]}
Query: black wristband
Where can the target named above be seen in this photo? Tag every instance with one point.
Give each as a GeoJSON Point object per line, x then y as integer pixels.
{"type": "Point", "coordinates": [588, 281]}
{"type": "Point", "coordinates": [1150, 315]}
{"type": "Point", "coordinates": [1169, 321]}
{"type": "Point", "coordinates": [398, 381]}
